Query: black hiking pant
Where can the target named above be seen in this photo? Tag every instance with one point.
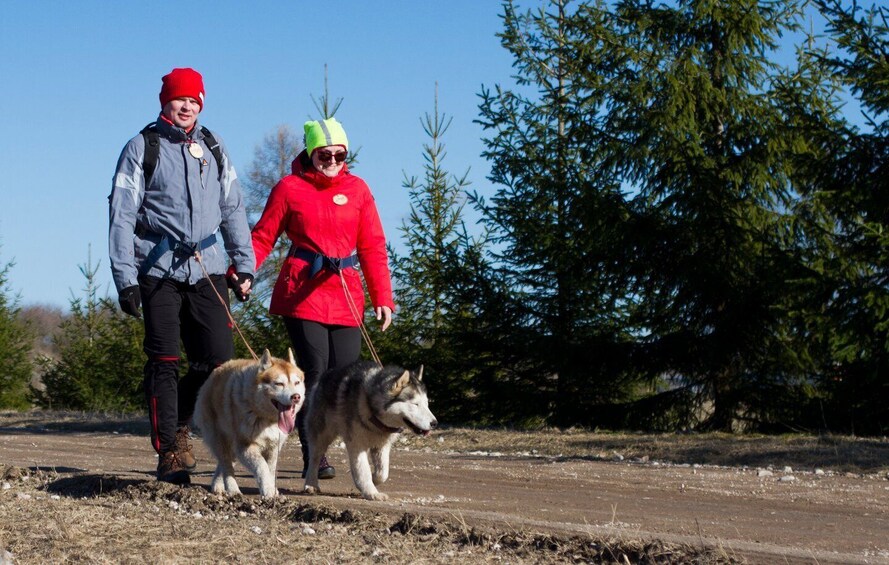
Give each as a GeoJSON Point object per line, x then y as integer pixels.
{"type": "Point", "coordinates": [319, 347]}
{"type": "Point", "coordinates": [193, 313]}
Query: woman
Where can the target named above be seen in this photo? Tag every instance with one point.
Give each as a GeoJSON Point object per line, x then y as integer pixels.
{"type": "Point", "coordinates": [332, 222]}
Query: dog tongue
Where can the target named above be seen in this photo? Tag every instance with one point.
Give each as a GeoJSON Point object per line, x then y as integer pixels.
{"type": "Point", "coordinates": [287, 418]}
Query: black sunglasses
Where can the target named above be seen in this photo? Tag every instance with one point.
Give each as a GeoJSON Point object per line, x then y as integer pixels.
{"type": "Point", "coordinates": [325, 156]}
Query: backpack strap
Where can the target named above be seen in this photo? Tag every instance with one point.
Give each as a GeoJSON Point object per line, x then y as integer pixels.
{"type": "Point", "coordinates": [214, 148]}
{"type": "Point", "coordinates": [153, 153]}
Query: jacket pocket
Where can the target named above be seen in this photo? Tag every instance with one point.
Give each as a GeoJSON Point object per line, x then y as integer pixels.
{"type": "Point", "coordinates": [293, 274]}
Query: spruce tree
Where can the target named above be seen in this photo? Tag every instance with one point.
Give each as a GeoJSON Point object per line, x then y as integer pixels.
{"type": "Point", "coordinates": [708, 146]}
{"type": "Point", "coordinates": [431, 235]}
{"type": "Point", "coordinates": [559, 298]}
{"type": "Point", "coordinates": [100, 362]}
{"type": "Point", "coordinates": [644, 164]}
{"type": "Point", "coordinates": [15, 349]}
{"type": "Point", "coordinates": [848, 184]}
{"type": "Point", "coordinates": [432, 316]}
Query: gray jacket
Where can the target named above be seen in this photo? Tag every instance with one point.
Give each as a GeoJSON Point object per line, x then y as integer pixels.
{"type": "Point", "coordinates": [185, 201]}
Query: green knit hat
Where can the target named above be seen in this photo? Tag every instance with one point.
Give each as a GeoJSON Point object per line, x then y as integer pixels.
{"type": "Point", "coordinates": [321, 133]}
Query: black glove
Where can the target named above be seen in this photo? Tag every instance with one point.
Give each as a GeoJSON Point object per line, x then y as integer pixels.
{"type": "Point", "coordinates": [235, 285]}
{"type": "Point", "coordinates": [130, 299]}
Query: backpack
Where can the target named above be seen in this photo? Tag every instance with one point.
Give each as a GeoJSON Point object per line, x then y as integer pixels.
{"type": "Point", "coordinates": [152, 149]}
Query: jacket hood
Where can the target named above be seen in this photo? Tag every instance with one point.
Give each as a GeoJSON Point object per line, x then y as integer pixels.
{"type": "Point", "coordinates": [303, 168]}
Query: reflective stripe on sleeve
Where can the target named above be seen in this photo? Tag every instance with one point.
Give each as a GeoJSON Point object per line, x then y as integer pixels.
{"type": "Point", "coordinates": [132, 183]}
{"type": "Point", "coordinates": [228, 176]}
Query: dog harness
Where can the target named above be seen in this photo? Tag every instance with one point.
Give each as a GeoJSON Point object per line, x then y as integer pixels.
{"type": "Point", "coordinates": [318, 261]}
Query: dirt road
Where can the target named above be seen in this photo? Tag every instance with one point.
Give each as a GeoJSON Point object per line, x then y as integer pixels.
{"type": "Point", "coordinates": [763, 517]}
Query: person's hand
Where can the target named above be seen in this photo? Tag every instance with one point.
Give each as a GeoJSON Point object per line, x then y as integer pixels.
{"type": "Point", "coordinates": [130, 299]}
{"type": "Point", "coordinates": [241, 284]}
{"type": "Point", "coordinates": [384, 313]}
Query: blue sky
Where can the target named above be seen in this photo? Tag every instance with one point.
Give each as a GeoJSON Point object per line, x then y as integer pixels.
{"type": "Point", "coordinates": [81, 78]}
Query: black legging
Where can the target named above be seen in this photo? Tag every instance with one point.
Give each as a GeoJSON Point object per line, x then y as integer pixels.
{"type": "Point", "coordinates": [319, 347]}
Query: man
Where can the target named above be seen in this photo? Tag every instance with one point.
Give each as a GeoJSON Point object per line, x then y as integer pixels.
{"type": "Point", "coordinates": [176, 205]}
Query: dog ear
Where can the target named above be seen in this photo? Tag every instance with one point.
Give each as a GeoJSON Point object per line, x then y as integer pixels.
{"type": "Point", "coordinates": [399, 385]}
{"type": "Point", "coordinates": [266, 361]}
{"type": "Point", "coordinates": [290, 357]}
{"type": "Point", "coordinates": [420, 373]}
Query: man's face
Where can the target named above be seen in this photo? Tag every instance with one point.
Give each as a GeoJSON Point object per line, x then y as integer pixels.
{"type": "Point", "coordinates": [182, 111]}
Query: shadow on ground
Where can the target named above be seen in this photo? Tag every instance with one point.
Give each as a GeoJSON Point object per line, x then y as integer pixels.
{"type": "Point", "coordinates": [47, 421]}
{"type": "Point", "coordinates": [89, 485]}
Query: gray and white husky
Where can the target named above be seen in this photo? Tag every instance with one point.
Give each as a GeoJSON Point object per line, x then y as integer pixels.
{"type": "Point", "coordinates": [366, 405]}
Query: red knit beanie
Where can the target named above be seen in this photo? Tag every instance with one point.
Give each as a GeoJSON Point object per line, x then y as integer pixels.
{"type": "Point", "coordinates": [180, 83]}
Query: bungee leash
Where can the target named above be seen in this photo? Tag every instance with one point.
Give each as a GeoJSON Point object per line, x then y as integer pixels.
{"type": "Point", "coordinates": [356, 314]}
{"type": "Point", "coordinates": [197, 256]}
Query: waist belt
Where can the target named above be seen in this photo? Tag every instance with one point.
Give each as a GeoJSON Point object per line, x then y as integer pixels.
{"type": "Point", "coordinates": [317, 262]}
{"type": "Point", "coordinates": [184, 249]}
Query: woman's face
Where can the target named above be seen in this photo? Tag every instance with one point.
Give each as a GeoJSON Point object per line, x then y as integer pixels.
{"type": "Point", "coordinates": [329, 160]}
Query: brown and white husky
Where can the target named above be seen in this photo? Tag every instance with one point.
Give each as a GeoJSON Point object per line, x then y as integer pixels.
{"type": "Point", "coordinates": [245, 411]}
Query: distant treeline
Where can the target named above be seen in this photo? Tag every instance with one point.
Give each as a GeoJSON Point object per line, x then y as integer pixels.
{"type": "Point", "coordinates": [678, 233]}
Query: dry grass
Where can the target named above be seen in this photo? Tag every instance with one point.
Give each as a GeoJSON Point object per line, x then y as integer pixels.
{"type": "Point", "coordinates": [48, 518]}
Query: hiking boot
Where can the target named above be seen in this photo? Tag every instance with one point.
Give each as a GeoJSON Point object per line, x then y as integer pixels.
{"type": "Point", "coordinates": [171, 470]}
{"type": "Point", "coordinates": [325, 469]}
{"type": "Point", "coordinates": [184, 448]}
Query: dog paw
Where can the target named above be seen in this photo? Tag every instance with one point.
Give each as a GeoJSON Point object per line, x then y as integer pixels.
{"type": "Point", "coordinates": [376, 496]}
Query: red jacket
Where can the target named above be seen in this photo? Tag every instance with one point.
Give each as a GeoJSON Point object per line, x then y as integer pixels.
{"type": "Point", "coordinates": [334, 217]}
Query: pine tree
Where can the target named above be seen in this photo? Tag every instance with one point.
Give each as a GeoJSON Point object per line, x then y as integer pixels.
{"type": "Point", "coordinates": [848, 184]}
{"type": "Point", "coordinates": [431, 321]}
{"type": "Point", "coordinates": [645, 165]}
{"type": "Point", "coordinates": [431, 235]}
{"type": "Point", "coordinates": [15, 349]}
{"type": "Point", "coordinates": [556, 220]}
{"type": "Point", "coordinates": [100, 361]}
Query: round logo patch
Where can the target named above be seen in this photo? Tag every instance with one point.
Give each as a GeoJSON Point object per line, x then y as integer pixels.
{"type": "Point", "coordinates": [340, 199]}
{"type": "Point", "coordinates": [196, 150]}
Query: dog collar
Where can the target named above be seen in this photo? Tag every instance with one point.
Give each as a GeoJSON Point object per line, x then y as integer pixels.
{"type": "Point", "coordinates": [378, 423]}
